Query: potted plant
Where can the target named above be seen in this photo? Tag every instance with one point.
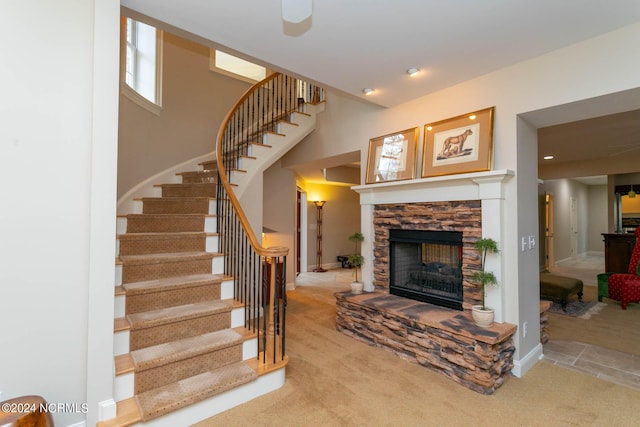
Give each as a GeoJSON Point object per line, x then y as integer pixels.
{"type": "Point", "coordinates": [482, 315]}
{"type": "Point", "coordinates": [356, 260]}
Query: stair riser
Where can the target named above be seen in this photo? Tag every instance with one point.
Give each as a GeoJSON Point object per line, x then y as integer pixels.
{"type": "Point", "coordinates": [189, 190]}
{"type": "Point", "coordinates": [166, 374]}
{"type": "Point", "coordinates": [199, 177]}
{"type": "Point", "coordinates": [165, 225]}
{"type": "Point", "coordinates": [211, 165]}
{"type": "Point", "coordinates": [162, 206]}
{"type": "Point", "coordinates": [250, 349]}
{"type": "Point", "coordinates": [121, 343]}
{"type": "Point", "coordinates": [172, 298]}
{"type": "Point", "coordinates": [162, 245]}
{"type": "Point", "coordinates": [142, 338]}
{"type": "Point", "coordinates": [143, 272]}
{"type": "Point", "coordinates": [124, 386]}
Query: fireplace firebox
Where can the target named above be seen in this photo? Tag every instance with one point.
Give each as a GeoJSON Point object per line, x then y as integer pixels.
{"type": "Point", "coordinates": [427, 266]}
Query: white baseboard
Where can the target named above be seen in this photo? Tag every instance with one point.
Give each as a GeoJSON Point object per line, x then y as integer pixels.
{"type": "Point", "coordinates": [522, 366]}
{"type": "Point", "coordinates": [106, 409]}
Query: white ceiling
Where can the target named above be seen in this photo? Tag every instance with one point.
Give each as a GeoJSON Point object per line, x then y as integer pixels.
{"type": "Point", "coordinates": [354, 44]}
{"type": "Point", "coordinates": [350, 45]}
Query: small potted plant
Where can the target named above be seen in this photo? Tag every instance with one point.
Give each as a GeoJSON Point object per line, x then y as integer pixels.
{"type": "Point", "coordinates": [356, 260]}
{"type": "Point", "coordinates": [482, 315]}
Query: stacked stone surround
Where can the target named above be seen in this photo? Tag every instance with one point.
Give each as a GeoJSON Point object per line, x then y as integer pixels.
{"type": "Point", "coordinates": [443, 340]}
{"type": "Point", "coordinates": [463, 216]}
{"type": "Point", "coordinates": [544, 321]}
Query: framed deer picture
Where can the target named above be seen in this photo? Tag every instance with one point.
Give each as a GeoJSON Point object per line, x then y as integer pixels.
{"type": "Point", "coordinates": [460, 144]}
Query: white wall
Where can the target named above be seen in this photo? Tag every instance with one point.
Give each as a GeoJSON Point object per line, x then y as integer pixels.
{"type": "Point", "coordinates": [563, 190]}
{"type": "Point", "coordinates": [561, 77]}
{"type": "Point", "coordinates": [58, 129]}
{"type": "Point", "coordinates": [597, 220]}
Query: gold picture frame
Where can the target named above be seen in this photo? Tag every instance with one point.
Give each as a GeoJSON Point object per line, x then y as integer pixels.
{"type": "Point", "coordinates": [461, 144]}
{"type": "Point", "coordinates": [392, 157]}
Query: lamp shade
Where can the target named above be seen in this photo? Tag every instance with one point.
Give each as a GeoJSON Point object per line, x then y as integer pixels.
{"type": "Point", "coordinates": [296, 11]}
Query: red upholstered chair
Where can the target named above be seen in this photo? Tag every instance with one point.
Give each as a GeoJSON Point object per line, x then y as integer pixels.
{"type": "Point", "coordinates": [625, 287]}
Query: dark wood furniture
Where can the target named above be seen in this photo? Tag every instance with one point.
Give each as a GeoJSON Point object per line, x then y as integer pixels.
{"type": "Point", "coordinates": [25, 411]}
{"type": "Point", "coordinates": [617, 251]}
{"type": "Point", "coordinates": [554, 287]}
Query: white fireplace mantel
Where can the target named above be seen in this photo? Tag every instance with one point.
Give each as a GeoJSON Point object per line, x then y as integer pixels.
{"type": "Point", "coordinates": [468, 186]}
{"type": "Point", "coordinates": [488, 187]}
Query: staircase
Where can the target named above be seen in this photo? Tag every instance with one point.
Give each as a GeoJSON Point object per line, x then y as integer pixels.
{"type": "Point", "coordinates": [183, 348]}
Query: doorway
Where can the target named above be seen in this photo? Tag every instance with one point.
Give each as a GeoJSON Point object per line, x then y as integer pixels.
{"type": "Point", "coordinates": [548, 229]}
{"type": "Point", "coordinates": [301, 231]}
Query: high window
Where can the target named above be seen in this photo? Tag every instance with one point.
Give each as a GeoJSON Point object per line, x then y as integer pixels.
{"type": "Point", "coordinates": [233, 66]}
{"type": "Point", "coordinates": [142, 63]}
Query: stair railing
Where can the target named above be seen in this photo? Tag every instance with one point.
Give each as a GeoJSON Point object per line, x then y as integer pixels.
{"type": "Point", "coordinates": [259, 273]}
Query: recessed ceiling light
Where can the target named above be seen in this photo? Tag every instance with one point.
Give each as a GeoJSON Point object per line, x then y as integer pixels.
{"type": "Point", "coordinates": [367, 91]}
{"type": "Point", "coordinates": [472, 117]}
{"type": "Point", "coordinates": [413, 71]}
{"type": "Point", "coordinates": [548, 157]}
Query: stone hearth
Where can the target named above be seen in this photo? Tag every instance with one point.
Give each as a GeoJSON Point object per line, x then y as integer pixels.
{"type": "Point", "coordinates": [443, 340]}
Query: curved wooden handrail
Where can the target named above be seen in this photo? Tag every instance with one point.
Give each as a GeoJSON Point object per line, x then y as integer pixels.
{"type": "Point", "coordinates": [275, 251]}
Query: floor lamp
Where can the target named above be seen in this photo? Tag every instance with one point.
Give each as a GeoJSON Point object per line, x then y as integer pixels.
{"type": "Point", "coordinates": [319, 204]}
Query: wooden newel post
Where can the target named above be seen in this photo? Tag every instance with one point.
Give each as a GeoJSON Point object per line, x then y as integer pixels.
{"type": "Point", "coordinates": [273, 349]}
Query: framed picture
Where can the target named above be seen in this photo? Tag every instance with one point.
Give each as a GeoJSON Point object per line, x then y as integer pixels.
{"type": "Point", "coordinates": [392, 157]}
{"type": "Point", "coordinates": [459, 145]}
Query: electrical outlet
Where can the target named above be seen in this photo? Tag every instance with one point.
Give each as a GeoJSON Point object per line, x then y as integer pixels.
{"type": "Point", "coordinates": [524, 329]}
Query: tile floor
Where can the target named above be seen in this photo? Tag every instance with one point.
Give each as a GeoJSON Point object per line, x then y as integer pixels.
{"type": "Point", "coordinates": [609, 365]}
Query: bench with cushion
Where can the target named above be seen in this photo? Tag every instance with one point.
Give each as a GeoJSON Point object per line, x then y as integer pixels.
{"type": "Point", "coordinates": [556, 288]}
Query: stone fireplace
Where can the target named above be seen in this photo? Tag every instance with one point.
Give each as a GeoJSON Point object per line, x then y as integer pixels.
{"type": "Point", "coordinates": [408, 219]}
{"type": "Point", "coordinates": [455, 225]}
{"type": "Point", "coordinates": [426, 266]}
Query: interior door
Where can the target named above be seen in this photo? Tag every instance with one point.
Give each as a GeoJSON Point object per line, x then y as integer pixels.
{"type": "Point", "coordinates": [298, 228]}
{"type": "Point", "coordinates": [574, 227]}
{"type": "Point", "coordinates": [548, 241]}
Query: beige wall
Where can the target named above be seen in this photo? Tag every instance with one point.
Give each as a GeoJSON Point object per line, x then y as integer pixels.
{"type": "Point", "coordinates": [340, 219]}
{"type": "Point", "coordinates": [195, 101]}
{"type": "Point", "coordinates": [279, 213]}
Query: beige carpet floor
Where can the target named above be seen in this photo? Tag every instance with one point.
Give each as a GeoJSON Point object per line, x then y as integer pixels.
{"type": "Point", "coordinates": [334, 380]}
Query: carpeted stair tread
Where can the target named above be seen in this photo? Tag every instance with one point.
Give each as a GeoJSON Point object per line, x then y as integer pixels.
{"type": "Point", "coordinates": [164, 257]}
{"type": "Point", "coordinates": [161, 235]}
{"type": "Point", "coordinates": [171, 352]}
{"type": "Point", "coordinates": [166, 222]}
{"type": "Point", "coordinates": [176, 199]}
{"type": "Point", "coordinates": [208, 172]}
{"type": "Point", "coordinates": [187, 184]}
{"type": "Point", "coordinates": [165, 215]}
{"type": "Point", "coordinates": [179, 282]}
{"type": "Point", "coordinates": [179, 313]}
{"type": "Point", "coordinates": [157, 402]}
